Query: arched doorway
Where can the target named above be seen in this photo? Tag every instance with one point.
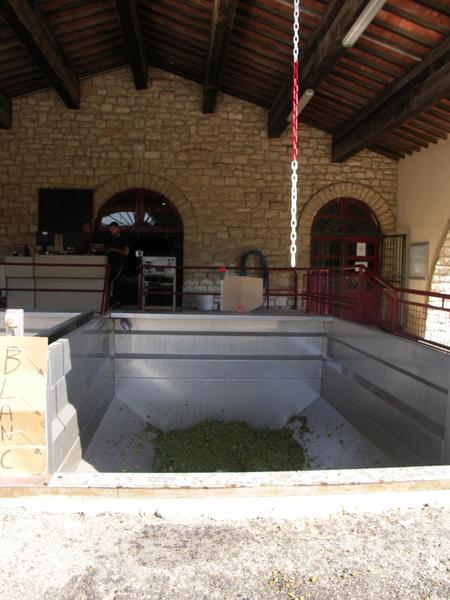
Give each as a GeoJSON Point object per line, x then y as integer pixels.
{"type": "Point", "coordinates": [152, 225]}
{"type": "Point", "coordinates": [345, 232]}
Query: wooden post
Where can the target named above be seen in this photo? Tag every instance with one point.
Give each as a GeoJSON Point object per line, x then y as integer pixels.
{"type": "Point", "coordinates": [5, 112]}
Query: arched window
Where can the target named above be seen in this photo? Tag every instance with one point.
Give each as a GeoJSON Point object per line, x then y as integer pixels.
{"type": "Point", "coordinates": [142, 211]}
{"type": "Point", "coordinates": [122, 210]}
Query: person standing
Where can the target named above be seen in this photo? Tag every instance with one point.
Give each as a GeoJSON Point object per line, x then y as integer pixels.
{"type": "Point", "coordinates": [87, 238]}
{"type": "Point", "coordinates": [118, 250]}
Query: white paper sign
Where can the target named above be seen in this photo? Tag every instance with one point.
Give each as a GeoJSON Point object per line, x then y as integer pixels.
{"type": "Point", "coordinates": [361, 248]}
{"type": "Point", "coordinates": [418, 260]}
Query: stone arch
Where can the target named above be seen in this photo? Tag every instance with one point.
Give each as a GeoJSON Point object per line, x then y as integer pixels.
{"type": "Point", "coordinates": [438, 323]}
{"type": "Point", "coordinates": [150, 181]}
{"type": "Point", "coordinates": [373, 199]}
{"type": "Point", "coordinates": [440, 274]}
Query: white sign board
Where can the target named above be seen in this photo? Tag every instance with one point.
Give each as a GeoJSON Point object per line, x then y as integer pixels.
{"type": "Point", "coordinates": [361, 248]}
{"type": "Point", "coordinates": [418, 260]}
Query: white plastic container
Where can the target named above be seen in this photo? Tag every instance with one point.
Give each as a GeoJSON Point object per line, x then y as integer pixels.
{"type": "Point", "coordinates": [205, 302]}
{"type": "Point", "coordinates": [14, 321]}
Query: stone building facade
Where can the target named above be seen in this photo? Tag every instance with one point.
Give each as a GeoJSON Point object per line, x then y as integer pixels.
{"type": "Point", "coordinates": [228, 180]}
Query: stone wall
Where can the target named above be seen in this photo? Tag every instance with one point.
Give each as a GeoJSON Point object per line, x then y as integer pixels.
{"type": "Point", "coordinates": [438, 321]}
{"type": "Point", "coordinates": [229, 181]}
{"type": "Point", "coordinates": [440, 282]}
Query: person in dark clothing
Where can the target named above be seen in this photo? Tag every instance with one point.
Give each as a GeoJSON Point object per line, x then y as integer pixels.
{"type": "Point", "coordinates": [87, 239]}
{"type": "Point", "coordinates": [117, 248]}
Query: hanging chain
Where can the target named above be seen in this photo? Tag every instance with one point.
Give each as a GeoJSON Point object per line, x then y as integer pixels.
{"type": "Point", "coordinates": [294, 153]}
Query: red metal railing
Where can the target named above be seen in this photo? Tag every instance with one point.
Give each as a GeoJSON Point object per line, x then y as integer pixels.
{"type": "Point", "coordinates": [357, 294]}
{"type": "Point", "coordinates": [353, 293]}
{"type": "Point", "coordinates": [212, 276]}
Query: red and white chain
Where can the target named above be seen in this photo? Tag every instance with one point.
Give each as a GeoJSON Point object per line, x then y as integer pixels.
{"type": "Point", "coordinates": [294, 153]}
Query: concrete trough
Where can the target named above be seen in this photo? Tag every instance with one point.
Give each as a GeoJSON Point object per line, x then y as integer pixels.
{"type": "Point", "coordinates": [376, 405]}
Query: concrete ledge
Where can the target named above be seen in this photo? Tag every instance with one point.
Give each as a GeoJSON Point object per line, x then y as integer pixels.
{"type": "Point", "coordinates": [205, 485]}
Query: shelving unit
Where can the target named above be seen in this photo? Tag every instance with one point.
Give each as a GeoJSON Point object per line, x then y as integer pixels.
{"type": "Point", "coordinates": [160, 276]}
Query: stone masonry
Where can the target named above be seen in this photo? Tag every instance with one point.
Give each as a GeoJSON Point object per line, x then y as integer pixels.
{"type": "Point", "coordinates": [229, 181]}
{"type": "Point", "coordinates": [438, 322]}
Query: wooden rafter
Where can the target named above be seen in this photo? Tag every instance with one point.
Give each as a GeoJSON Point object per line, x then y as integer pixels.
{"type": "Point", "coordinates": [320, 56]}
{"type": "Point", "coordinates": [417, 73]}
{"type": "Point", "coordinates": [5, 112]}
{"type": "Point", "coordinates": [439, 5]}
{"type": "Point", "coordinates": [34, 33]}
{"type": "Point", "coordinates": [134, 41]}
{"type": "Point", "coordinates": [221, 26]}
{"type": "Point", "coordinates": [424, 85]}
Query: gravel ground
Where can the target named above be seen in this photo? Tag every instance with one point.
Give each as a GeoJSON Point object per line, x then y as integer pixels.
{"type": "Point", "coordinates": [400, 554]}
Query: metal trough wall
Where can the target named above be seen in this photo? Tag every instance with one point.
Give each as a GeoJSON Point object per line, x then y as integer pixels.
{"type": "Point", "coordinates": [395, 391]}
{"type": "Point", "coordinates": [39, 388]}
{"type": "Point", "coordinates": [80, 389]}
{"type": "Point", "coordinates": [179, 370]}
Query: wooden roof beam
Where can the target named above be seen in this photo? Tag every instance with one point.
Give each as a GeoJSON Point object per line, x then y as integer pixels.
{"type": "Point", "coordinates": [221, 26]}
{"type": "Point", "coordinates": [34, 33]}
{"type": "Point", "coordinates": [5, 112]}
{"type": "Point", "coordinates": [134, 41]}
{"type": "Point", "coordinates": [420, 88]}
{"type": "Point", "coordinates": [398, 87]}
{"type": "Point", "coordinates": [319, 58]}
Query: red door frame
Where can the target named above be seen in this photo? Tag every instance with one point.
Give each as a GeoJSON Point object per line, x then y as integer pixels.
{"type": "Point", "coordinates": [343, 219]}
{"type": "Point", "coordinates": [345, 288]}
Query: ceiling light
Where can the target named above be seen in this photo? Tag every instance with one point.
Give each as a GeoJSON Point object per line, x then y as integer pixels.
{"type": "Point", "coordinates": [362, 22]}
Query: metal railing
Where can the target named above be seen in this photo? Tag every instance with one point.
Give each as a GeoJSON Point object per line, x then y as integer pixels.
{"type": "Point", "coordinates": [353, 293]}
{"type": "Point", "coordinates": [358, 295]}
{"type": "Point", "coordinates": [211, 276]}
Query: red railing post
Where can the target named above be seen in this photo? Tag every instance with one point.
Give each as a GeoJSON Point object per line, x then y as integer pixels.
{"type": "Point", "coordinates": [307, 289]}
{"type": "Point", "coordinates": [394, 311]}
{"type": "Point", "coordinates": [360, 285]}
{"type": "Point", "coordinates": [295, 289]}
{"type": "Point", "coordinates": [326, 310]}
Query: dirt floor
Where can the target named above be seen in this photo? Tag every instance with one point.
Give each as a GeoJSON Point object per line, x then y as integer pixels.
{"type": "Point", "coordinates": [400, 554]}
